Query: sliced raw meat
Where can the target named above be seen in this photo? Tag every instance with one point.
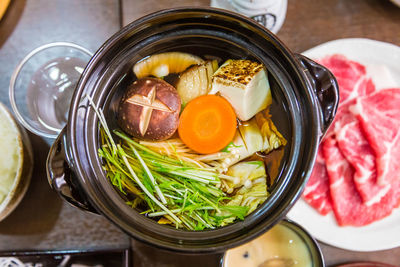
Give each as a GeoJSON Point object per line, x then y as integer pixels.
{"type": "Point", "coordinates": [343, 114]}
{"type": "Point", "coordinates": [379, 114]}
{"type": "Point", "coordinates": [352, 80]}
{"type": "Point", "coordinates": [350, 138]}
{"type": "Point", "coordinates": [316, 192]}
{"type": "Point", "coordinates": [356, 149]}
{"type": "Point", "coordinates": [360, 149]}
{"type": "Point", "coordinates": [347, 204]}
{"type": "Point", "coordinates": [349, 74]}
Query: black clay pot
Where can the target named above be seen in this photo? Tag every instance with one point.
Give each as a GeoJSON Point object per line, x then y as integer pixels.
{"type": "Point", "coordinates": [305, 96]}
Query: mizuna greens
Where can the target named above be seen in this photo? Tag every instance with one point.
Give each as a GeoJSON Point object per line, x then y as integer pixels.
{"type": "Point", "coordinates": [176, 191]}
{"type": "Point", "coordinates": [183, 193]}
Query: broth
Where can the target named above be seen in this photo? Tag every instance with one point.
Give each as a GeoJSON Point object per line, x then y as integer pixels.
{"type": "Point", "coordinates": [274, 161]}
{"type": "Point", "coordinates": [280, 247]}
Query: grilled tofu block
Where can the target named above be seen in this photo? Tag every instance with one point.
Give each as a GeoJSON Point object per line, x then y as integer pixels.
{"type": "Point", "coordinates": [245, 85]}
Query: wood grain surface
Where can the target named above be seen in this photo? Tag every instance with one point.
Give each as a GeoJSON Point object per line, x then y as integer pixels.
{"type": "Point", "coordinates": [43, 221]}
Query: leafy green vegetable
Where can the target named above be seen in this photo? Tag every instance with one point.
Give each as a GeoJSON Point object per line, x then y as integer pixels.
{"type": "Point", "coordinates": [252, 188]}
{"type": "Point", "coordinates": [273, 139]}
{"type": "Point", "coordinates": [191, 197]}
{"type": "Point", "coordinates": [246, 172]}
{"type": "Point", "coordinates": [229, 147]}
{"type": "Point", "coordinates": [174, 185]}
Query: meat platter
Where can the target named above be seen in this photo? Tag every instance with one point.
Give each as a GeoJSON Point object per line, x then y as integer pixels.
{"type": "Point", "coordinates": [348, 223]}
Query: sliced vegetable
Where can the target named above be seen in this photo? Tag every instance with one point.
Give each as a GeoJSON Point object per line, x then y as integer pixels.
{"type": "Point", "coordinates": [253, 196]}
{"type": "Point", "coordinates": [247, 172]}
{"type": "Point", "coordinates": [256, 135]}
{"type": "Point", "coordinates": [245, 85]}
{"type": "Point", "coordinates": [207, 124]}
{"type": "Point", "coordinates": [251, 135]}
{"type": "Point", "coordinates": [273, 139]}
{"type": "Point", "coordinates": [160, 65]}
{"type": "Point", "coordinates": [252, 188]}
{"type": "Point", "coordinates": [196, 81]}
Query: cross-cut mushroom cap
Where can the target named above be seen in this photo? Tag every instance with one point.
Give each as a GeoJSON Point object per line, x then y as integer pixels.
{"type": "Point", "coordinates": [149, 109]}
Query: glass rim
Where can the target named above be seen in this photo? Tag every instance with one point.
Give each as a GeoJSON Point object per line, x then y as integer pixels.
{"type": "Point", "coordinates": [17, 71]}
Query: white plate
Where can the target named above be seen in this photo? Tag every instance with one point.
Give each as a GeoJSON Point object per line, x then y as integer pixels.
{"type": "Point", "coordinates": [385, 233]}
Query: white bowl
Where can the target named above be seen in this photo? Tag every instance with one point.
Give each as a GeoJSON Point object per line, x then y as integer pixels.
{"type": "Point", "coordinates": [14, 181]}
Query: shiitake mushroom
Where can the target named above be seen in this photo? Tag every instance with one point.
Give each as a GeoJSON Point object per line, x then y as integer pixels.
{"type": "Point", "coordinates": [149, 109]}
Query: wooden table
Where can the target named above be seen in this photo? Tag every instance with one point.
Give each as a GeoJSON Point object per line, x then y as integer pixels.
{"type": "Point", "coordinates": [43, 221]}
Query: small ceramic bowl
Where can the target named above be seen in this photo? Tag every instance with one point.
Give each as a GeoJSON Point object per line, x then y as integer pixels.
{"type": "Point", "coordinates": [286, 244]}
{"type": "Point", "coordinates": [23, 169]}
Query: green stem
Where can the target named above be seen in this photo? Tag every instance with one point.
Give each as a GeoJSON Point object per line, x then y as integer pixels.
{"type": "Point", "coordinates": [150, 175]}
{"type": "Point", "coordinates": [155, 200]}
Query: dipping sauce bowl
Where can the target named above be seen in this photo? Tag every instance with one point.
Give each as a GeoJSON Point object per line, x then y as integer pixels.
{"type": "Point", "coordinates": [286, 244]}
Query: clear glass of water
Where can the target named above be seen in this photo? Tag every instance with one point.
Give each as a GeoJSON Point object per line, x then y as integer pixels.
{"type": "Point", "coordinates": [42, 86]}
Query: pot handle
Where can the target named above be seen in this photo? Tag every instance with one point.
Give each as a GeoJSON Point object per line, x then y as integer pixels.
{"type": "Point", "coordinates": [326, 90]}
{"type": "Point", "coordinates": [60, 176]}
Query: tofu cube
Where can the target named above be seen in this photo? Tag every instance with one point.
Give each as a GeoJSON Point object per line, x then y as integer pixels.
{"type": "Point", "coordinates": [245, 85]}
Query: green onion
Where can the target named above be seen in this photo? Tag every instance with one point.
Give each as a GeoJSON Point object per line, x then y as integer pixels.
{"type": "Point", "coordinates": [160, 194]}
{"type": "Point", "coordinates": [145, 189]}
{"type": "Point", "coordinates": [176, 188]}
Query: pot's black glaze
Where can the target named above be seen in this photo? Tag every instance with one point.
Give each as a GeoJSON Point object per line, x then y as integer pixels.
{"type": "Point", "coordinates": [296, 83]}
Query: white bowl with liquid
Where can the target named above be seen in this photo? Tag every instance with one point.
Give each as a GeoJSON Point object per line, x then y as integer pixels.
{"type": "Point", "coordinates": [286, 244]}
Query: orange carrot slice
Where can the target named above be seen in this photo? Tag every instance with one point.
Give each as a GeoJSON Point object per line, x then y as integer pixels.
{"type": "Point", "coordinates": [207, 124]}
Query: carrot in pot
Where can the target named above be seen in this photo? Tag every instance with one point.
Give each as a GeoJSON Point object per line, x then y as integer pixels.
{"type": "Point", "coordinates": [207, 124]}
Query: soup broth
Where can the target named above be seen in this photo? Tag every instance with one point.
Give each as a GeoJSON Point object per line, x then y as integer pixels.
{"type": "Point", "coordinates": [273, 161]}
{"type": "Point", "coordinates": [280, 247]}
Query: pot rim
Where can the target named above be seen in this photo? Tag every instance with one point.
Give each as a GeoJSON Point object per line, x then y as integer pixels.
{"type": "Point", "coordinates": [73, 148]}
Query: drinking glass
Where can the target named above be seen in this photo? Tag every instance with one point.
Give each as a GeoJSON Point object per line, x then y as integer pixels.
{"type": "Point", "coordinates": [42, 86]}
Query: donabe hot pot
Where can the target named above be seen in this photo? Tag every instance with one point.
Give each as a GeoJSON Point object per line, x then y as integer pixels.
{"type": "Point", "coordinates": [305, 100]}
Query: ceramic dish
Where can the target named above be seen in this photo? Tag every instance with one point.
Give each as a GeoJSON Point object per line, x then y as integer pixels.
{"type": "Point", "coordinates": [383, 234]}
{"type": "Point", "coordinates": [24, 165]}
{"type": "Point", "coordinates": [277, 257]}
{"type": "Point", "coordinates": [306, 91]}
